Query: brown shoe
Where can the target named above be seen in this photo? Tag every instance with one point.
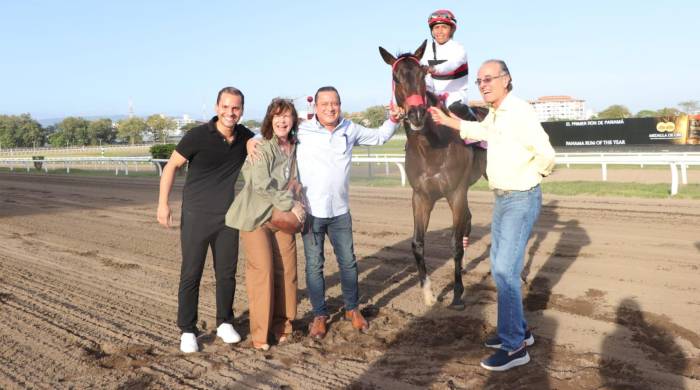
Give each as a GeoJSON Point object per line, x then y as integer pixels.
{"type": "Point", "coordinates": [358, 321]}
{"type": "Point", "coordinates": [317, 329]}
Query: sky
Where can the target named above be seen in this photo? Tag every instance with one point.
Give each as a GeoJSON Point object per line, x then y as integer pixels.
{"type": "Point", "coordinates": [90, 58]}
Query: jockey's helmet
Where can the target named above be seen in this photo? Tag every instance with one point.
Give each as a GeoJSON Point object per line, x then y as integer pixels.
{"type": "Point", "coordinates": [442, 16]}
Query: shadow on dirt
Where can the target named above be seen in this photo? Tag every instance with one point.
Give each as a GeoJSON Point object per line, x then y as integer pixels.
{"type": "Point", "coordinates": [645, 342]}
{"type": "Point", "coordinates": [443, 347]}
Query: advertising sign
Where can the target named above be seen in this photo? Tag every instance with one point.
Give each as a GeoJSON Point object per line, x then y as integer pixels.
{"type": "Point", "coordinates": [625, 131]}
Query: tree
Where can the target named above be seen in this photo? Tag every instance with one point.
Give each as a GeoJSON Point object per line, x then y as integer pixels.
{"type": "Point", "coordinates": [159, 125]}
{"type": "Point", "coordinates": [690, 106]}
{"type": "Point", "coordinates": [71, 131]}
{"type": "Point", "coordinates": [668, 112]}
{"type": "Point", "coordinates": [101, 131]}
{"type": "Point", "coordinates": [190, 126]}
{"type": "Point", "coordinates": [252, 124]}
{"type": "Point", "coordinates": [58, 139]}
{"type": "Point", "coordinates": [20, 131]}
{"type": "Point", "coordinates": [375, 116]}
{"type": "Point", "coordinates": [31, 132]}
{"type": "Point", "coordinates": [131, 129]}
{"type": "Point", "coordinates": [614, 111]}
{"type": "Point", "coordinates": [646, 114]}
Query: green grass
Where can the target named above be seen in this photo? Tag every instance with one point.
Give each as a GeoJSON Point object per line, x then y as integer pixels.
{"type": "Point", "coordinates": [393, 146]}
{"type": "Point", "coordinates": [634, 190]}
{"type": "Point", "coordinates": [622, 166]}
{"type": "Point", "coordinates": [572, 188]}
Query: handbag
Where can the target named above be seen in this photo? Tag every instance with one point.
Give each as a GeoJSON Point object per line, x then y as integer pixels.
{"type": "Point", "coordinates": [287, 221]}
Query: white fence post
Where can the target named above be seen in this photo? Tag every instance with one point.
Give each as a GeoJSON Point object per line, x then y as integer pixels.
{"type": "Point", "coordinates": [684, 173]}
{"type": "Point", "coordinates": [674, 179]}
{"type": "Point", "coordinates": [604, 168]}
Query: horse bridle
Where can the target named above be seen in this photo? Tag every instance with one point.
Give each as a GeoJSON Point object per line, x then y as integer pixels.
{"type": "Point", "coordinates": [414, 100]}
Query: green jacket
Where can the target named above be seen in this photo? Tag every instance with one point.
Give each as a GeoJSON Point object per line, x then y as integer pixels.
{"type": "Point", "coordinates": [262, 190]}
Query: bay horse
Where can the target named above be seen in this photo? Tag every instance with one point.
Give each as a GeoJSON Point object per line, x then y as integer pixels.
{"type": "Point", "coordinates": [438, 164]}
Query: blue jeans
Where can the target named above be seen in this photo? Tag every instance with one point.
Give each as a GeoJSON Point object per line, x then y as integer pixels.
{"type": "Point", "coordinates": [339, 231]}
{"type": "Point", "coordinates": [514, 214]}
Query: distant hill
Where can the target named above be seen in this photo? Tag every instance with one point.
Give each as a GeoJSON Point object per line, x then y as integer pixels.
{"type": "Point", "coordinates": [52, 121]}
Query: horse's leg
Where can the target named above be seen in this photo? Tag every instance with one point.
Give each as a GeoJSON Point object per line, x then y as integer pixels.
{"type": "Point", "coordinates": [422, 206]}
{"type": "Point", "coordinates": [461, 228]}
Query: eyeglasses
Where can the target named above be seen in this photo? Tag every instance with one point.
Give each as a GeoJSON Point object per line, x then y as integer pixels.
{"type": "Point", "coordinates": [487, 79]}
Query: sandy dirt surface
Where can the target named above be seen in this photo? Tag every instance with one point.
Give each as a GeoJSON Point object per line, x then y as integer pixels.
{"type": "Point", "coordinates": [88, 286]}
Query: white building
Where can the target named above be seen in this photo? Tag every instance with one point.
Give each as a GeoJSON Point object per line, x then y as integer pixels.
{"type": "Point", "coordinates": [185, 120]}
{"type": "Point", "coordinates": [551, 108]}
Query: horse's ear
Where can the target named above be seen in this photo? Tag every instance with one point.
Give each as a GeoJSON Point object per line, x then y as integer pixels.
{"type": "Point", "coordinates": [388, 58]}
{"type": "Point", "coordinates": [419, 52]}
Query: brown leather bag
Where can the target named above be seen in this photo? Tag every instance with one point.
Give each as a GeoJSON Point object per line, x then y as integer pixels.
{"type": "Point", "coordinates": [286, 221]}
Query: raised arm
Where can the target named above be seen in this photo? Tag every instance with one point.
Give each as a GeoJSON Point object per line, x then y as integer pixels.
{"type": "Point", "coordinates": [379, 136]}
{"type": "Point", "coordinates": [467, 129]}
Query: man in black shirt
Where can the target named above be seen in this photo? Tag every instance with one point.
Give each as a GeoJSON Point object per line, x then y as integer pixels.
{"type": "Point", "coordinates": [215, 152]}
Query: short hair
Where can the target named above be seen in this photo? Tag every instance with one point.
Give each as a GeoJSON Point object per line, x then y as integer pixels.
{"type": "Point", "coordinates": [504, 69]}
{"type": "Point", "coordinates": [232, 91]}
{"type": "Point", "coordinates": [276, 107]}
{"type": "Point", "coordinates": [327, 88]}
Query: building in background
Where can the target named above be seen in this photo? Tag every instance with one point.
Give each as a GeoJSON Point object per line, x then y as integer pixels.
{"type": "Point", "coordinates": [185, 120]}
{"type": "Point", "coordinates": [556, 108]}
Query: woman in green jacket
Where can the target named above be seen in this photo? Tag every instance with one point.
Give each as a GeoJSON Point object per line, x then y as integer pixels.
{"type": "Point", "coordinates": [271, 255]}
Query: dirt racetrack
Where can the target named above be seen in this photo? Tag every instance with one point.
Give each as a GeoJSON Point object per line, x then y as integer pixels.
{"type": "Point", "coordinates": [88, 287]}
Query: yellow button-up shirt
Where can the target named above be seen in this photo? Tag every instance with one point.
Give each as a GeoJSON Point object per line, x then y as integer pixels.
{"type": "Point", "coordinates": [519, 152]}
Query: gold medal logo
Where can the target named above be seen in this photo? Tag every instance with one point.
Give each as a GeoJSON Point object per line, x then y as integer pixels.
{"type": "Point", "coordinates": [665, 127]}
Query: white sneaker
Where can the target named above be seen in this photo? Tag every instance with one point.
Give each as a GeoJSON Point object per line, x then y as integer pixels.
{"type": "Point", "coordinates": [188, 343]}
{"type": "Point", "coordinates": [228, 334]}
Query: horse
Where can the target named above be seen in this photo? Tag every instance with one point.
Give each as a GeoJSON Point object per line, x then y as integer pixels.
{"type": "Point", "coordinates": [438, 164]}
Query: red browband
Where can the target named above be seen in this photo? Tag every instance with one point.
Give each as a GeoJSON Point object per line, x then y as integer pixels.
{"type": "Point", "coordinates": [413, 100]}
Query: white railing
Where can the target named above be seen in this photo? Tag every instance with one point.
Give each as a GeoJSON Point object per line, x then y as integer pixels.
{"type": "Point", "coordinates": [72, 149]}
{"type": "Point", "coordinates": [675, 161]}
{"type": "Point", "coordinates": [385, 159]}
{"type": "Point", "coordinates": [118, 163]}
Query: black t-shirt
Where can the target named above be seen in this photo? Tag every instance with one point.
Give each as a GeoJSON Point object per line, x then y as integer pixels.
{"type": "Point", "coordinates": [214, 166]}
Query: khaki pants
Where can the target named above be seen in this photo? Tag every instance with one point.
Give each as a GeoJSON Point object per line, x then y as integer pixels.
{"type": "Point", "coordinates": [271, 281]}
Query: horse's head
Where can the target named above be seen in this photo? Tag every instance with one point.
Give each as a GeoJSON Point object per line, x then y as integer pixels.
{"type": "Point", "coordinates": [409, 84]}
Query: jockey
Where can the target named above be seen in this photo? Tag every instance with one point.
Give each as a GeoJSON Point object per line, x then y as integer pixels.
{"type": "Point", "coordinates": [447, 62]}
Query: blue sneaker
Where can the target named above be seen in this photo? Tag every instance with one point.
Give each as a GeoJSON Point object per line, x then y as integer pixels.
{"type": "Point", "coordinates": [495, 342]}
{"type": "Point", "coordinates": [504, 360]}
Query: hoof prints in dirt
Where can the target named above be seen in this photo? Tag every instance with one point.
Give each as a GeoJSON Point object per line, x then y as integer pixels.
{"type": "Point", "coordinates": [105, 261]}
{"type": "Point", "coordinates": [141, 382]}
{"type": "Point", "coordinates": [4, 297]}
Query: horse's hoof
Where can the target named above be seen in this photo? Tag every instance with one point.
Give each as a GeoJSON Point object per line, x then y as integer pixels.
{"type": "Point", "coordinates": [457, 306]}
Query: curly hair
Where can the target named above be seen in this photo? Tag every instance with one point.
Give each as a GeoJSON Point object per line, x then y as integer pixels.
{"type": "Point", "coordinates": [278, 106]}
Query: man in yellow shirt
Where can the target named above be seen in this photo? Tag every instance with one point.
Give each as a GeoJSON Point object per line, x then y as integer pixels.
{"type": "Point", "coordinates": [519, 155]}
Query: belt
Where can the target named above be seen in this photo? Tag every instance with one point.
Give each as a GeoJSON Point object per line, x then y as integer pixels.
{"type": "Point", "coordinates": [500, 192]}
